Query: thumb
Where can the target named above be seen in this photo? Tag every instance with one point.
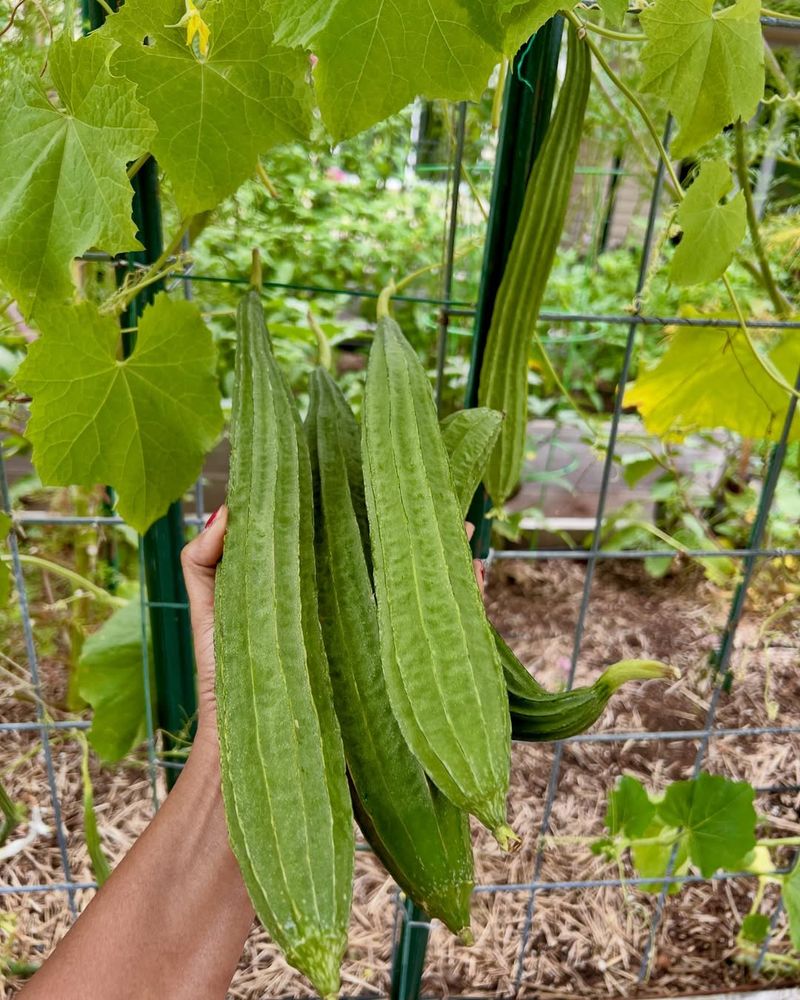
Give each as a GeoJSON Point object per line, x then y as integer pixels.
{"type": "Point", "coordinates": [199, 560]}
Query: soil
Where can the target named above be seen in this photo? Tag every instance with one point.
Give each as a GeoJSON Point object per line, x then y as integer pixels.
{"type": "Point", "coordinates": [582, 942]}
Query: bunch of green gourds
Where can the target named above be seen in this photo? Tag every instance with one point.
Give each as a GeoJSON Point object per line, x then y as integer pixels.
{"type": "Point", "coordinates": [357, 672]}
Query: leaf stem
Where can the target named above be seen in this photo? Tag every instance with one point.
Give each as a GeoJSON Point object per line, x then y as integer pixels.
{"type": "Point", "coordinates": [73, 577]}
{"type": "Point", "coordinates": [137, 165]}
{"type": "Point", "coordinates": [767, 367]}
{"type": "Point", "coordinates": [778, 299]}
{"type": "Point", "coordinates": [394, 287]}
{"type": "Point", "coordinates": [617, 36]}
{"type": "Point", "coordinates": [10, 22]}
{"type": "Point", "coordinates": [576, 406]}
{"type": "Point", "coordinates": [266, 180]}
{"type": "Point", "coordinates": [12, 814]}
{"type": "Point", "coordinates": [775, 68]}
{"type": "Point", "coordinates": [766, 12]}
{"type": "Point", "coordinates": [580, 26]}
{"type": "Point", "coordinates": [158, 270]}
{"type": "Point", "coordinates": [256, 271]}
{"type": "Point", "coordinates": [499, 93]}
{"type": "Point", "coordinates": [779, 842]}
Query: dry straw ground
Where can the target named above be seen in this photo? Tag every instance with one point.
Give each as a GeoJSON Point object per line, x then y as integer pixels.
{"type": "Point", "coordinates": [584, 943]}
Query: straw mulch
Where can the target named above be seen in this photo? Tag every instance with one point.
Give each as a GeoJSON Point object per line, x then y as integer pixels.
{"type": "Point", "coordinates": [582, 943]}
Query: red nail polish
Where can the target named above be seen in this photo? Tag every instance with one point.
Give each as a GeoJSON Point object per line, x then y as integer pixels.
{"type": "Point", "coordinates": [210, 521]}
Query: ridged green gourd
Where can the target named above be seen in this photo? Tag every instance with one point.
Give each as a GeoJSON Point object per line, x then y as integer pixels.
{"type": "Point", "coordinates": [537, 715]}
{"type": "Point", "coordinates": [470, 437]}
{"type": "Point", "coordinates": [284, 783]}
{"type": "Point", "coordinates": [420, 836]}
{"type": "Point", "coordinates": [442, 669]}
{"type": "Point", "coordinates": [504, 373]}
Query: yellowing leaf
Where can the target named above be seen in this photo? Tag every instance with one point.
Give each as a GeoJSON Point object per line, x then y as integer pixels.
{"type": "Point", "coordinates": [142, 425]}
{"type": "Point", "coordinates": [711, 231]}
{"type": "Point", "coordinates": [708, 378]}
{"type": "Point", "coordinates": [214, 115]}
{"type": "Point", "coordinates": [63, 156]}
{"type": "Point", "coordinates": [707, 65]}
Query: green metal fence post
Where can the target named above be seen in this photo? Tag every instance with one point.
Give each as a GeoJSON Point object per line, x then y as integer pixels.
{"type": "Point", "coordinates": [526, 114]}
{"type": "Point", "coordinates": [173, 658]}
{"type": "Point", "coordinates": [409, 956]}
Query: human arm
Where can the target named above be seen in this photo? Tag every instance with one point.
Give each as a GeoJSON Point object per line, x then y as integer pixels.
{"type": "Point", "coordinates": [173, 918]}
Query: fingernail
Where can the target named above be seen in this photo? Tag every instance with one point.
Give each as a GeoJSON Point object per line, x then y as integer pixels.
{"type": "Point", "coordinates": [210, 521]}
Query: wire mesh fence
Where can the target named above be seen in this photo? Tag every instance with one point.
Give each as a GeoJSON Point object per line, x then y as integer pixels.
{"type": "Point", "coordinates": [410, 930]}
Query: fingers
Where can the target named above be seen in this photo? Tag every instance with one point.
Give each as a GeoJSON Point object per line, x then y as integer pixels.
{"type": "Point", "coordinates": [477, 564]}
{"type": "Point", "coordinates": [480, 574]}
{"type": "Point", "coordinates": [199, 560]}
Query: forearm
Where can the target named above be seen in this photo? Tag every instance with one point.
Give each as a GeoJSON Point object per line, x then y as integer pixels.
{"type": "Point", "coordinates": [172, 919]}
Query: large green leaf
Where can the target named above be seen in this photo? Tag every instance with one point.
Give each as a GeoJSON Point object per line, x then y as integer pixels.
{"type": "Point", "coordinates": [523, 19]}
{"type": "Point", "coordinates": [630, 810]}
{"type": "Point", "coordinates": [614, 10]}
{"type": "Point", "coordinates": [707, 378]}
{"type": "Point", "coordinates": [375, 57]}
{"type": "Point", "coordinates": [506, 24]}
{"type": "Point", "coordinates": [717, 818]}
{"type": "Point", "coordinates": [653, 859]}
{"type": "Point", "coordinates": [63, 155]}
{"type": "Point", "coordinates": [215, 115]}
{"type": "Point", "coordinates": [707, 65]}
{"type": "Point", "coordinates": [142, 425]}
{"type": "Point", "coordinates": [791, 900]}
{"type": "Point", "coordinates": [298, 21]}
{"type": "Point", "coordinates": [711, 231]}
{"type": "Point", "coordinates": [110, 677]}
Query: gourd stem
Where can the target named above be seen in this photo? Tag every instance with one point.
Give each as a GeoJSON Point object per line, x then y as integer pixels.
{"type": "Point", "coordinates": [618, 36]}
{"type": "Point", "coordinates": [256, 271]}
{"type": "Point", "coordinates": [778, 299]}
{"type": "Point", "coordinates": [73, 577]}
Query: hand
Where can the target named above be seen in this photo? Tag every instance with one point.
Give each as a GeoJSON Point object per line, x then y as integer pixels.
{"type": "Point", "coordinates": [199, 560]}
{"type": "Point", "coordinates": [477, 564]}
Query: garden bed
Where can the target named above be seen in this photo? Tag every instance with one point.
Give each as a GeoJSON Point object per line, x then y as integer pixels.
{"type": "Point", "coordinates": [584, 943]}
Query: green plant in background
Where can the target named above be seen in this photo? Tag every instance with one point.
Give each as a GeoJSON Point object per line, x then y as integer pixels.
{"type": "Point", "coordinates": [703, 825]}
{"type": "Point", "coordinates": [315, 230]}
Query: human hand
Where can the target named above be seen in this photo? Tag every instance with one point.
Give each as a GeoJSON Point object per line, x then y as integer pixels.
{"type": "Point", "coordinates": [477, 564]}
{"type": "Point", "coordinates": [199, 560]}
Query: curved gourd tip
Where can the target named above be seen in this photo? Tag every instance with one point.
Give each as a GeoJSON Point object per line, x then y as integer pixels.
{"type": "Point", "coordinates": [466, 937]}
{"type": "Point", "coordinates": [638, 670]}
{"type": "Point", "coordinates": [509, 841]}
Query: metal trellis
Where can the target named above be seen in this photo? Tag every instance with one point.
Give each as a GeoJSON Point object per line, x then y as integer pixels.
{"type": "Point", "coordinates": [529, 96]}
